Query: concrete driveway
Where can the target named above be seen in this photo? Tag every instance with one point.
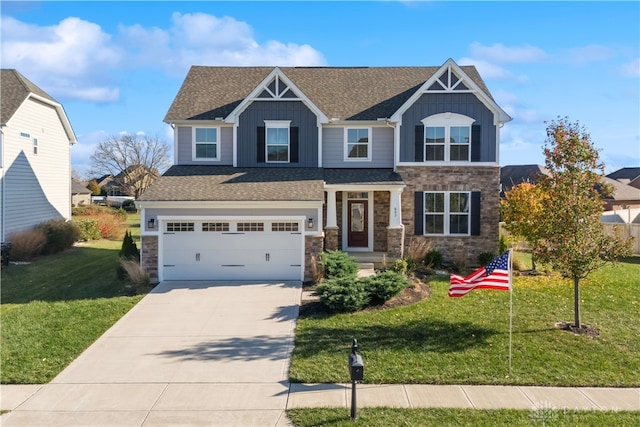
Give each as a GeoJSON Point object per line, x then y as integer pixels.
{"type": "Point", "coordinates": [190, 353]}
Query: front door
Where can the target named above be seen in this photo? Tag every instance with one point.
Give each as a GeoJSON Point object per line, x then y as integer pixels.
{"type": "Point", "coordinates": [358, 232]}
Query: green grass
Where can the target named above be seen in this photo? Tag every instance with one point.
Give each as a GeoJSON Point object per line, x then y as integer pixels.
{"type": "Point", "coordinates": [55, 307]}
{"type": "Point", "coordinates": [390, 417]}
{"type": "Point", "coordinates": [445, 340]}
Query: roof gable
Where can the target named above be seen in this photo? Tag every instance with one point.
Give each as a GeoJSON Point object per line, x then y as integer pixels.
{"type": "Point", "coordinates": [342, 93]}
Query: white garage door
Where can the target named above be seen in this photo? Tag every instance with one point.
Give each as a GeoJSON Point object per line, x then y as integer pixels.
{"type": "Point", "coordinates": [232, 250]}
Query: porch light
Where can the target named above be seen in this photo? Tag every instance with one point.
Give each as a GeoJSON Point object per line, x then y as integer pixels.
{"type": "Point", "coordinates": [310, 223]}
{"type": "Point", "coordinates": [151, 223]}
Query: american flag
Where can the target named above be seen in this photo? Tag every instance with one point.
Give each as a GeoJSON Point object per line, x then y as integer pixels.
{"type": "Point", "coordinates": [494, 275]}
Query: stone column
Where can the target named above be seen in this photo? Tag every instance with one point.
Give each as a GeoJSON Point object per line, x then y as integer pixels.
{"type": "Point", "coordinates": [312, 248]}
{"type": "Point", "coordinates": [395, 242]}
{"type": "Point", "coordinates": [149, 256]}
{"type": "Point", "coordinates": [331, 238]}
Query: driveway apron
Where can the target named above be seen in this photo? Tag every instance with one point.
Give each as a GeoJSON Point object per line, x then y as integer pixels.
{"type": "Point", "coordinates": [189, 353]}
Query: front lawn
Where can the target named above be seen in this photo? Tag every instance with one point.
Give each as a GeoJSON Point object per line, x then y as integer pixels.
{"type": "Point", "coordinates": [56, 306]}
{"type": "Point", "coordinates": [444, 340]}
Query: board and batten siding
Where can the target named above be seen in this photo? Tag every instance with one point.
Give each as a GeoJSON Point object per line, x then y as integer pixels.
{"type": "Point", "coordinates": [333, 149]}
{"type": "Point", "coordinates": [37, 186]}
{"type": "Point", "coordinates": [185, 147]}
{"type": "Point", "coordinates": [295, 111]}
{"type": "Point", "coordinates": [461, 103]}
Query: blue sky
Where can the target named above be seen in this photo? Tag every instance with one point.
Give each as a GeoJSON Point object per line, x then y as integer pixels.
{"type": "Point", "coordinates": [116, 66]}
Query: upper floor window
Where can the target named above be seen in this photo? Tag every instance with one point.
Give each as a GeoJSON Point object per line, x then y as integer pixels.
{"type": "Point", "coordinates": [447, 213]}
{"type": "Point", "coordinates": [447, 137]}
{"type": "Point", "coordinates": [35, 145]}
{"type": "Point", "coordinates": [357, 144]}
{"type": "Point", "coordinates": [277, 141]}
{"type": "Point", "coordinates": [205, 143]}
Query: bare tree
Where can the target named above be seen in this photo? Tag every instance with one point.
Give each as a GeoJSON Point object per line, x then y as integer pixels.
{"type": "Point", "coordinates": [133, 161]}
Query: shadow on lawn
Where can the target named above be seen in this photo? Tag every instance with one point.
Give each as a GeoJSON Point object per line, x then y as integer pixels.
{"type": "Point", "coordinates": [426, 335]}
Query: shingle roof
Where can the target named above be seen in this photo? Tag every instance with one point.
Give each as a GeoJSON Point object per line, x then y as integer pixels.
{"type": "Point", "coordinates": [346, 93]}
{"type": "Point", "coordinates": [15, 88]}
{"type": "Point", "coordinates": [78, 188]}
{"type": "Point", "coordinates": [226, 183]}
{"type": "Point", "coordinates": [625, 174]}
{"type": "Point", "coordinates": [513, 175]}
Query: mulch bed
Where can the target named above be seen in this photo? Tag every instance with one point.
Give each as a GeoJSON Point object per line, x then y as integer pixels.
{"type": "Point", "coordinates": [587, 330]}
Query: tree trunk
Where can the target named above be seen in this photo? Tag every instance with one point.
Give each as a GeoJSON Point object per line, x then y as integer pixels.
{"type": "Point", "coordinates": [576, 302]}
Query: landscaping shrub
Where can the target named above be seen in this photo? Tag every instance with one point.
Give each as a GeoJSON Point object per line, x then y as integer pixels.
{"type": "Point", "coordinates": [486, 257]}
{"type": "Point", "coordinates": [128, 251]}
{"type": "Point", "coordinates": [433, 258]}
{"type": "Point", "coordinates": [27, 244]}
{"type": "Point", "coordinates": [417, 251]}
{"type": "Point", "coordinates": [136, 275]}
{"type": "Point", "coordinates": [384, 286]}
{"type": "Point", "coordinates": [60, 235]}
{"type": "Point", "coordinates": [343, 294]}
{"type": "Point", "coordinates": [399, 266]}
{"type": "Point", "coordinates": [89, 229]}
{"type": "Point", "coordinates": [338, 264]}
{"type": "Point", "coordinates": [111, 222]}
{"type": "Point", "coordinates": [502, 244]}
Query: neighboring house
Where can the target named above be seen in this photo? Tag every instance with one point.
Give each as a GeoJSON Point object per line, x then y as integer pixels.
{"type": "Point", "coordinates": [130, 182]}
{"type": "Point", "coordinates": [274, 165]}
{"type": "Point", "coordinates": [35, 155]}
{"type": "Point", "coordinates": [80, 194]}
{"type": "Point", "coordinates": [627, 176]}
{"type": "Point", "coordinates": [513, 175]}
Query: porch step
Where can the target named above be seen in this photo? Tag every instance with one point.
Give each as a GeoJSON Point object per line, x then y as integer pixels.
{"type": "Point", "coordinates": [366, 269]}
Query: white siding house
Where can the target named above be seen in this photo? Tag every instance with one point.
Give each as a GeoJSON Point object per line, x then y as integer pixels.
{"type": "Point", "coordinates": [35, 158]}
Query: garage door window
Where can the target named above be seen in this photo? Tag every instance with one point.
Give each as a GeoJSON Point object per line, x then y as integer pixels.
{"type": "Point", "coordinates": [250, 226]}
{"type": "Point", "coordinates": [215, 226]}
{"type": "Point", "coordinates": [180, 226]}
{"type": "Point", "coordinates": [284, 226]}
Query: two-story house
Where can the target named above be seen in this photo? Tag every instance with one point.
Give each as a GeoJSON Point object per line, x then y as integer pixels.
{"type": "Point", "coordinates": [273, 165]}
{"type": "Point", "coordinates": [35, 156]}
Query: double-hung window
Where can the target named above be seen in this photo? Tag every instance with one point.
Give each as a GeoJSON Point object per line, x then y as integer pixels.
{"type": "Point", "coordinates": [205, 143]}
{"type": "Point", "coordinates": [447, 137]}
{"type": "Point", "coordinates": [447, 213]}
{"type": "Point", "coordinates": [277, 141]}
{"type": "Point", "coordinates": [357, 144]}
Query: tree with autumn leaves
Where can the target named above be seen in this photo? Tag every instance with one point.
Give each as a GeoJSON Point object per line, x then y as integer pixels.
{"type": "Point", "coordinates": [565, 228]}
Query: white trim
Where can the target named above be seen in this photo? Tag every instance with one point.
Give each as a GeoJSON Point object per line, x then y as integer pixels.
{"type": "Point", "coordinates": [235, 145]}
{"type": "Point", "coordinates": [365, 187]}
{"type": "Point", "coordinates": [319, 143]}
{"type": "Point", "coordinates": [345, 144]}
{"type": "Point", "coordinates": [500, 116]}
{"type": "Point", "coordinates": [345, 219]}
{"type": "Point", "coordinates": [447, 121]}
{"type": "Point", "coordinates": [161, 219]}
{"type": "Point", "coordinates": [194, 143]}
{"type": "Point", "coordinates": [240, 204]}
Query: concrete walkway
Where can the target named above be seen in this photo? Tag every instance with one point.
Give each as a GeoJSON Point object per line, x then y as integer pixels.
{"type": "Point", "coordinates": [217, 354]}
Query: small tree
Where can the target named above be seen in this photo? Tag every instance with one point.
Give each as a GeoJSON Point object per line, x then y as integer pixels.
{"type": "Point", "coordinates": [571, 234]}
{"type": "Point", "coordinates": [522, 211]}
{"type": "Point", "coordinates": [128, 252]}
{"type": "Point", "coordinates": [134, 161]}
{"type": "Point", "coordinates": [94, 188]}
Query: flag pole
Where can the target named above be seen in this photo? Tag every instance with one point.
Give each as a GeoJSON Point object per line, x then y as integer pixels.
{"type": "Point", "coordinates": [510, 306]}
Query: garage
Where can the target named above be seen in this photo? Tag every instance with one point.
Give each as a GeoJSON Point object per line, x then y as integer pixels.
{"type": "Point", "coordinates": [231, 249]}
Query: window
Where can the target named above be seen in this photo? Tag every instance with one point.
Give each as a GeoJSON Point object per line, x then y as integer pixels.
{"type": "Point", "coordinates": [205, 144]}
{"type": "Point", "coordinates": [25, 134]}
{"type": "Point", "coordinates": [447, 137]}
{"type": "Point", "coordinates": [357, 144]}
{"type": "Point", "coordinates": [284, 226]}
{"type": "Point", "coordinates": [35, 145]}
{"type": "Point", "coordinates": [215, 226]}
{"type": "Point", "coordinates": [447, 213]}
{"type": "Point", "coordinates": [179, 226]}
{"type": "Point", "coordinates": [277, 141]}
{"type": "Point", "coordinates": [250, 226]}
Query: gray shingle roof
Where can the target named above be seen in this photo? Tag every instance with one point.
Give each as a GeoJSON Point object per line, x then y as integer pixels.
{"type": "Point", "coordinates": [346, 93]}
{"type": "Point", "coordinates": [226, 183]}
{"type": "Point", "coordinates": [14, 89]}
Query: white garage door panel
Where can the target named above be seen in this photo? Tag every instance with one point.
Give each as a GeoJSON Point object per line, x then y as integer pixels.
{"type": "Point", "coordinates": [251, 255]}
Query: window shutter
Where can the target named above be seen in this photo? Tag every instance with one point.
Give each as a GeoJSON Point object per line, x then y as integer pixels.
{"type": "Point", "coordinates": [475, 143]}
{"type": "Point", "coordinates": [419, 214]}
{"type": "Point", "coordinates": [261, 147]}
{"type": "Point", "coordinates": [419, 155]}
{"type": "Point", "coordinates": [293, 145]}
{"type": "Point", "coordinates": [475, 213]}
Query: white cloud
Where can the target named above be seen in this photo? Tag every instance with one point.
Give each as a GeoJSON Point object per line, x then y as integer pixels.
{"type": "Point", "coordinates": [592, 53]}
{"type": "Point", "coordinates": [631, 69]}
{"type": "Point", "coordinates": [70, 59]}
{"type": "Point", "coordinates": [504, 54]}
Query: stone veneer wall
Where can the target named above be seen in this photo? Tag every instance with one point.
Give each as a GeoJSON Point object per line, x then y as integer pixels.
{"type": "Point", "coordinates": [380, 220]}
{"type": "Point", "coordinates": [149, 256]}
{"type": "Point", "coordinates": [486, 179]}
{"type": "Point", "coordinates": [313, 246]}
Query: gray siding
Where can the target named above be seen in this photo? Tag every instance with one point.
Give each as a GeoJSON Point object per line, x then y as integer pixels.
{"type": "Point", "coordinates": [185, 147]}
{"type": "Point", "coordinates": [300, 116]}
{"type": "Point", "coordinates": [461, 103]}
{"type": "Point", "coordinates": [333, 149]}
